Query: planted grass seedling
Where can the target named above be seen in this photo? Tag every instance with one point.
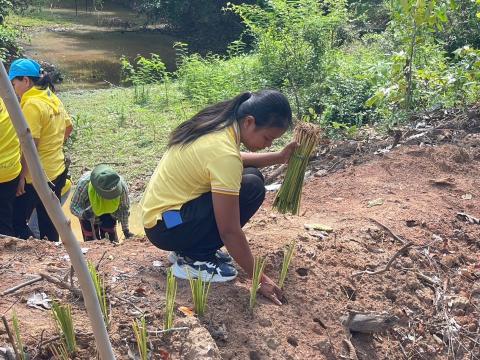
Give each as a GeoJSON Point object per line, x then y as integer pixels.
{"type": "Point", "coordinates": [289, 196]}
{"type": "Point", "coordinates": [200, 290]}
{"type": "Point", "coordinates": [287, 258]}
{"type": "Point", "coordinates": [99, 284]}
{"type": "Point", "coordinates": [258, 266]}
{"type": "Point", "coordinates": [62, 314]}
{"type": "Point", "coordinates": [140, 330]}
{"type": "Point", "coordinates": [18, 337]}
{"type": "Point", "coordinates": [170, 294]}
{"type": "Point", "coordinates": [60, 351]}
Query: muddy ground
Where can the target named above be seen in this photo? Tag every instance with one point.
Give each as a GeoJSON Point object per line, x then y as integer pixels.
{"type": "Point", "coordinates": [429, 294]}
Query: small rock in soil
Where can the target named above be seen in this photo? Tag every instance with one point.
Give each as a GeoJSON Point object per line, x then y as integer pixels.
{"type": "Point", "coordinates": [302, 271]}
{"type": "Point", "coordinates": [273, 343]}
{"type": "Point", "coordinates": [255, 355]}
{"type": "Point", "coordinates": [265, 322]}
{"type": "Point", "coordinates": [292, 341]}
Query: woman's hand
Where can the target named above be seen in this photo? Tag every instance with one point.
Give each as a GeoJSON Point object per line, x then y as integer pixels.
{"type": "Point", "coordinates": [21, 186]}
{"type": "Point", "coordinates": [270, 290]}
{"type": "Point", "coordinates": [287, 152]}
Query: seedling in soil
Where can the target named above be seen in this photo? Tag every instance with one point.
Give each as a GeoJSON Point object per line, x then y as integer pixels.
{"type": "Point", "coordinates": [288, 197]}
{"type": "Point", "coordinates": [62, 314]}
{"type": "Point", "coordinates": [258, 266]}
{"type": "Point", "coordinates": [18, 337]}
{"type": "Point", "coordinates": [99, 284]}
{"type": "Point", "coordinates": [170, 295]}
{"type": "Point", "coordinates": [140, 330]}
{"type": "Point", "coordinates": [60, 351]}
{"type": "Point", "coordinates": [200, 289]}
{"type": "Point", "coordinates": [287, 258]}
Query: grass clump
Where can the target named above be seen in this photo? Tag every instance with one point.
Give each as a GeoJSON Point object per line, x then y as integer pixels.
{"type": "Point", "coordinates": [18, 337]}
{"type": "Point", "coordinates": [140, 330]}
{"type": "Point", "coordinates": [258, 266]}
{"type": "Point", "coordinates": [99, 284]}
{"type": "Point", "coordinates": [287, 258]}
{"type": "Point", "coordinates": [200, 290]}
{"type": "Point", "coordinates": [60, 351]}
{"type": "Point", "coordinates": [62, 314]}
{"type": "Point", "coordinates": [170, 294]}
{"type": "Point", "coordinates": [288, 197]}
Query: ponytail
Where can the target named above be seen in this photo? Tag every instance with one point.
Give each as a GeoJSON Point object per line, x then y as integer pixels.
{"type": "Point", "coordinates": [42, 82]}
{"type": "Point", "coordinates": [270, 108]}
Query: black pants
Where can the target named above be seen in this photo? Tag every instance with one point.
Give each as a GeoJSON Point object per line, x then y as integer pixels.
{"type": "Point", "coordinates": [7, 198]}
{"type": "Point", "coordinates": [25, 204]}
{"type": "Point", "coordinates": [105, 227]}
{"type": "Point", "coordinates": [197, 237]}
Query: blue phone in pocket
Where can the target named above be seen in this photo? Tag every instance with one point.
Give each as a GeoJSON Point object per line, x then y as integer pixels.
{"type": "Point", "coordinates": [172, 218]}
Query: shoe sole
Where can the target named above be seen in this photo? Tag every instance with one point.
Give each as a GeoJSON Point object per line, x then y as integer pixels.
{"type": "Point", "coordinates": [180, 273]}
{"type": "Point", "coordinates": [172, 259]}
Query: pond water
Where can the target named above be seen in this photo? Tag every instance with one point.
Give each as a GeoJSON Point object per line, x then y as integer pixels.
{"type": "Point", "coordinates": [87, 47]}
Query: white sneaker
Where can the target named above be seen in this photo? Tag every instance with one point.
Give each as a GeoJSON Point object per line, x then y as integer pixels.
{"type": "Point", "coordinates": [206, 270]}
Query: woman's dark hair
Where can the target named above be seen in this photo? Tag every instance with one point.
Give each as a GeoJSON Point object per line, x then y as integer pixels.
{"type": "Point", "coordinates": [270, 108]}
{"type": "Point", "coordinates": [43, 82]}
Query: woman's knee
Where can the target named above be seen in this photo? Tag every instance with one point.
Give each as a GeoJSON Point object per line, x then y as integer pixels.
{"type": "Point", "coordinates": [253, 171]}
{"type": "Point", "coordinates": [253, 186]}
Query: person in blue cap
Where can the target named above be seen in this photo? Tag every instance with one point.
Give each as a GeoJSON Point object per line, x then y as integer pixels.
{"type": "Point", "coordinates": [50, 125]}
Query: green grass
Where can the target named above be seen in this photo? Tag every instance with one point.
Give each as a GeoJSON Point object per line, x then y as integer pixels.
{"type": "Point", "coordinates": [110, 127]}
{"type": "Point", "coordinates": [40, 18]}
{"type": "Point", "coordinates": [287, 258]}
{"type": "Point", "coordinates": [140, 330]}
{"type": "Point", "coordinates": [18, 337]}
{"type": "Point", "coordinates": [99, 283]}
{"type": "Point", "coordinates": [258, 267]}
{"type": "Point", "coordinates": [170, 295]}
{"type": "Point", "coordinates": [200, 290]}
{"type": "Point", "coordinates": [62, 314]}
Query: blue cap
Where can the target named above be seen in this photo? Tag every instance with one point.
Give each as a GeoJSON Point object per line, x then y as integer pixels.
{"type": "Point", "coordinates": [24, 67]}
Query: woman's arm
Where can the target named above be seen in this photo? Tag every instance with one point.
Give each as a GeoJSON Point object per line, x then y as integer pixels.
{"type": "Point", "coordinates": [260, 160]}
{"type": "Point", "coordinates": [227, 216]}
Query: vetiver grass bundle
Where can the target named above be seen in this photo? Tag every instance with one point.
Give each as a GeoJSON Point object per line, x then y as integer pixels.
{"type": "Point", "coordinates": [99, 284]}
{"type": "Point", "coordinates": [62, 314]}
{"type": "Point", "coordinates": [288, 197]}
{"type": "Point", "coordinates": [287, 258]}
{"type": "Point", "coordinates": [170, 295]}
{"type": "Point", "coordinates": [200, 289]}
{"type": "Point", "coordinates": [258, 266]}
{"type": "Point", "coordinates": [140, 330]}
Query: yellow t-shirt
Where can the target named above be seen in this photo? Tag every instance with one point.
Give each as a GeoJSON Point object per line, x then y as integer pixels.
{"type": "Point", "coordinates": [10, 165]}
{"type": "Point", "coordinates": [211, 163]}
{"type": "Point", "coordinates": [47, 119]}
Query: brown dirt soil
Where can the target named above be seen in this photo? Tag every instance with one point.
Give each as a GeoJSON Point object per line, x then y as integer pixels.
{"type": "Point", "coordinates": [433, 288]}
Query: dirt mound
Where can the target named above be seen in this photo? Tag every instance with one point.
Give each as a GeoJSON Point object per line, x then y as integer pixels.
{"type": "Point", "coordinates": [428, 294]}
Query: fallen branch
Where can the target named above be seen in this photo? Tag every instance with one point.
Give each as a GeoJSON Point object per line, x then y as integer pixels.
{"type": "Point", "coordinates": [10, 337]}
{"type": "Point", "coordinates": [396, 237]}
{"type": "Point", "coordinates": [26, 283]}
{"type": "Point", "coordinates": [156, 332]}
{"type": "Point", "coordinates": [62, 284]}
{"type": "Point", "coordinates": [129, 302]}
{"type": "Point", "coordinates": [352, 353]}
{"type": "Point", "coordinates": [390, 262]}
{"type": "Point", "coordinates": [270, 178]}
{"type": "Point", "coordinates": [368, 323]}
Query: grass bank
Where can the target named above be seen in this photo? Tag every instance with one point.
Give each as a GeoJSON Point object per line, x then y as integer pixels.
{"type": "Point", "coordinates": [125, 127]}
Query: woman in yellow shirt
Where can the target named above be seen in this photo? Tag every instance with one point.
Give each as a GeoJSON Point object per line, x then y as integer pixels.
{"type": "Point", "coordinates": [204, 189]}
{"type": "Point", "coordinates": [50, 125]}
{"type": "Point", "coordinates": [9, 170]}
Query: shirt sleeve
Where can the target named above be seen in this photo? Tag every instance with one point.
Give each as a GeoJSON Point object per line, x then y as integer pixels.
{"type": "Point", "coordinates": [225, 174]}
{"type": "Point", "coordinates": [80, 199]}
{"type": "Point", "coordinates": [33, 115]}
{"type": "Point", "coordinates": [123, 211]}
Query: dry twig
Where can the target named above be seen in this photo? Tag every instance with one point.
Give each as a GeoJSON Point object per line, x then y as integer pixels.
{"type": "Point", "coordinates": [10, 337]}
{"type": "Point", "coordinates": [396, 237]}
{"type": "Point", "coordinates": [26, 283]}
{"type": "Point", "coordinates": [389, 264]}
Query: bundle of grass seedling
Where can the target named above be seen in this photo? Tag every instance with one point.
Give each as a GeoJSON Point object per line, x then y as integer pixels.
{"type": "Point", "coordinates": [170, 294]}
{"type": "Point", "coordinates": [258, 266]}
{"type": "Point", "coordinates": [288, 197]}
{"type": "Point", "coordinates": [99, 284]}
{"type": "Point", "coordinates": [287, 258]}
{"type": "Point", "coordinates": [18, 338]}
{"type": "Point", "coordinates": [140, 330]}
{"type": "Point", "coordinates": [62, 314]}
{"type": "Point", "coordinates": [200, 289]}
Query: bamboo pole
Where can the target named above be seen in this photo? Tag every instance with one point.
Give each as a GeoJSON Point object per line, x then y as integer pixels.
{"type": "Point", "coordinates": [54, 210]}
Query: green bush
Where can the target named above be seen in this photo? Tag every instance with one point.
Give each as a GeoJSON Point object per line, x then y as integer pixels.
{"type": "Point", "coordinates": [9, 47]}
{"type": "Point", "coordinates": [207, 80]}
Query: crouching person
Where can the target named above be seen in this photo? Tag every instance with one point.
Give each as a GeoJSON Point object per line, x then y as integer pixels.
{"type": "Point", "coordinates": [99, 201]}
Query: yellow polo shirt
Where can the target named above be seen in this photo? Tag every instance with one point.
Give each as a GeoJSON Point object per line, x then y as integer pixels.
{"type": "Point", "coordinates": [10, 165]}
{"type": "Point", "coordinates": [211, 163]}
{"type": "Point", "coordinates": [47, 119]}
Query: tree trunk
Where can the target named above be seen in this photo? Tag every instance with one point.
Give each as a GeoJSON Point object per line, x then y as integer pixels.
{"type": "Point", "coordinates": [54, 210]}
